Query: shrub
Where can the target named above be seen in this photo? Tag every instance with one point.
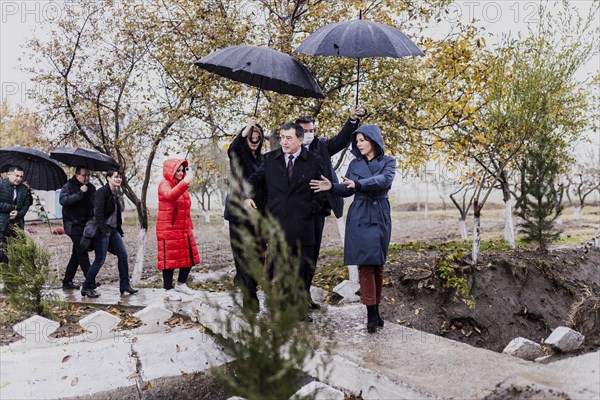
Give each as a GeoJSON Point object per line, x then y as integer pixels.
{"type": "Point", "coordinates": [25, 275]}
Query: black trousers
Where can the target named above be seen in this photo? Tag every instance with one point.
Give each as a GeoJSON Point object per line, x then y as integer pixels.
{"type": "Point", "coordinates": [79, 257]}
{"type": "Point", "coordinates": [8, 232]}
{"type": "Point", "coordinates": [306, 269]}
{"type": "Point", "coordinates": [319, 226]}
{"type": "Point", "coordinates": [242, 276]}
{"type": "Point", "coordinates": [182, 277]}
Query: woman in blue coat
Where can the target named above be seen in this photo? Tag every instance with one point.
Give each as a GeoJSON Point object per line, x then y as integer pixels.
{"type": "Point", "coordinates": [368, 224]}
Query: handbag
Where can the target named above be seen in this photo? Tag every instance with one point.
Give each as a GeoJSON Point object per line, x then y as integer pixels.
{"type": "Point", "coordinates": [91, 230]}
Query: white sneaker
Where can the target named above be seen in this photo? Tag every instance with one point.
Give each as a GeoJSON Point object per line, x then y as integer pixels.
{"type": "Point", "coordinates": [183, 288]}
{"type": "Point", "coordinates": [172, 295]}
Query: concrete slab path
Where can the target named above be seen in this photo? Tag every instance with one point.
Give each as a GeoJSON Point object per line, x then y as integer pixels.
{"type": "Point", "coordinates": [395, 363]}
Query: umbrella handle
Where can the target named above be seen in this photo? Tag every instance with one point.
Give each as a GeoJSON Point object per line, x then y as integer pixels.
{"type": "Point", "coordinates": [357, 78]}
{"type": "Point", "coordinates": [256, 105]}
{"type": "Point", "coordinates": [358, 65]}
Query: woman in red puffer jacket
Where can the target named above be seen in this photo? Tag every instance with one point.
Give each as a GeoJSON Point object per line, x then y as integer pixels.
{"type": "Point", "coordinates": [174, 229]}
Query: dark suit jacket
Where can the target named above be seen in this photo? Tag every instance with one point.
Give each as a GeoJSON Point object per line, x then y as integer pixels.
{"type": "Point", "coordinates": [291, 202]}
{"type": "Point", "coordinates": [21, 204]}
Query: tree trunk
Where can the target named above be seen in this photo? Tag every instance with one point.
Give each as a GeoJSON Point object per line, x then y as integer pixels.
{"type": "Point", "coordinates": [426, 200]}
{"type": "Point", "coordinates": [476, 238]}
{"type": "Point", "coordinates": [597, 238]}
{"type": "Point", "coordinates": [206, 216]}
{"type": "Point", "coordinates": [136, 277]}
{"type": "Point", "coordinates": [352, 269]}
{"type": "Point", "coordinates": [509, 230]}
{"type": "Point", "coordinates": [462, 228]}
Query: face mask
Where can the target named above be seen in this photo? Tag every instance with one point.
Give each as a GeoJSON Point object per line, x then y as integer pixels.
{"type": "Point", "coordinates": [308, 138]}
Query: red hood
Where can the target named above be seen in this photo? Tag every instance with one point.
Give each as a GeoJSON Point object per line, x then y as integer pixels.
{"type": "Point", "coordinates": [170, 167]}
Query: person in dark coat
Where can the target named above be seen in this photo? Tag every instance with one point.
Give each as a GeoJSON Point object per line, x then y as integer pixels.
{"type": "Point", "coordinates": [15, 200]}
{"type": "Point", "coordinates": [77, 200]}
{"type": "Point", "coordinates": [368, 224]}
{"type": "Point", "coordinates": [245, 156]}
{"type": "Point", "coordinates": [284, 176]}
{"type": "Point", "coordinates": [326, 148]}
{"type": "Point", "coordinates": [107, 214]}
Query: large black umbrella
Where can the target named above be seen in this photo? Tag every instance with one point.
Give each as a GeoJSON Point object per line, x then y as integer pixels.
{"type": "Point", "coordinates": [264, 68]}
{"type": "Point", "coordinates": [358, 39]}
{"type": "Point", "coordinates": [90, 159]}
{"type": "Point", "coordinates": [40, 172]}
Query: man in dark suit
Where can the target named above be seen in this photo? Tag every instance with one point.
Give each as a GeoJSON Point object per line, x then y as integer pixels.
{"type": "Point", "coordinates": [77, 200]}
{"type": "Point", "coordinates": [326, 148]}
{"type": "Point", "coordinates": [284, 176]}
{"type": "Point", "coordinates": [15, 201]}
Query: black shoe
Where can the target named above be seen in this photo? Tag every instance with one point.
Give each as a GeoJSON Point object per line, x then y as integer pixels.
{"type": "Point", "coordinates": [128, 289]}
{"type": "Point", "coordinates": [70, 286]}
{"type": "Point", "coordinates": [312, 305]}
{"type": "Point", "coordinates": [371, 319]}
{"type": "Point", "coordinates": [96, 285]}
{"type": "Point", "coordinates": [89, 293]}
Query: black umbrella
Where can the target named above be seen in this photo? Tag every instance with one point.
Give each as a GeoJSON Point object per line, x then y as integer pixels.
{"type": "Point", "coordinates": [40, 172]}
{"type": "Point", "coordinates": [264, 68]}
{"type": "Point", "coordinates": [90, 159]}
{"type": "Point", "coordinates": [358, 39]}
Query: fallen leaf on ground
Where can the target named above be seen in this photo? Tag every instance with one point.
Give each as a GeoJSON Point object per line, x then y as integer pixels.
{"type": "Point", "coordinates": [418, 310]}
{"type": "Point", "coordinates": [74, 381]}
{"type": "Point", "coordinates": [4, 384]}
{"type": "Point", "coordinates": [66, 358]}
{"type": "Point", "coordinates": [135, 375]}
{"type": "Point", "coordinates": [177, 348]}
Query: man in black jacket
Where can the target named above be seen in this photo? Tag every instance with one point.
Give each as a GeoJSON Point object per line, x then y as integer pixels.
{"type": "Point", "coordinates": [77, 199]}
{"type": "Point", "coordinates": [15, 201]}
{"type": "Point", "coordinates": [284, 176]}
{"type": "Point", "coordinates": [325, 149]}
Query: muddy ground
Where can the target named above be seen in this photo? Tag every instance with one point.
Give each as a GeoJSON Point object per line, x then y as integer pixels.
{"type": "Point", "coordinates": [429, 283]}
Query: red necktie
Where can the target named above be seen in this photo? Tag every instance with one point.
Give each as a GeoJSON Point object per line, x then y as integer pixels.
{"type": "Point", "coordinates": [290, 166]}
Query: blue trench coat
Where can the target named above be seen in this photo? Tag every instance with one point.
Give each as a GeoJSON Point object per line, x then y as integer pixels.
{"type": "Point", "coordinates": [368, 224]}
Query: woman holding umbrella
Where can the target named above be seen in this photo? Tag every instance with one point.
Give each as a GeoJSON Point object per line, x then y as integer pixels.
{"type": "Point", "coordinates": [244, 158]}
{"type": "Point", "coordinates": [368, 225]}
{"type": "Point", "coordinates": [174, 229]}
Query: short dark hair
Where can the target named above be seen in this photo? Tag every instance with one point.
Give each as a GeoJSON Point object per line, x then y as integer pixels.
{"type": "Point", "coordinates": [304, 120]}
{"type": "Point", "coordinates": [4, 168]}
{"type": "Point", "coordinates": [292, 125]}
{"type": "Point", "coordinates": [12, 168]}
{"type": "Point", "coordinates": [111, 172]}
{"type": "Point", "coordinates": [78, 169]}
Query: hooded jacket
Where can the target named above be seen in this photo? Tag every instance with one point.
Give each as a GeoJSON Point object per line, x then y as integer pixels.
{"type": "Point", "coordinates": [174, 228]}
{"type": "Point", "coordinates": [368, 224]}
